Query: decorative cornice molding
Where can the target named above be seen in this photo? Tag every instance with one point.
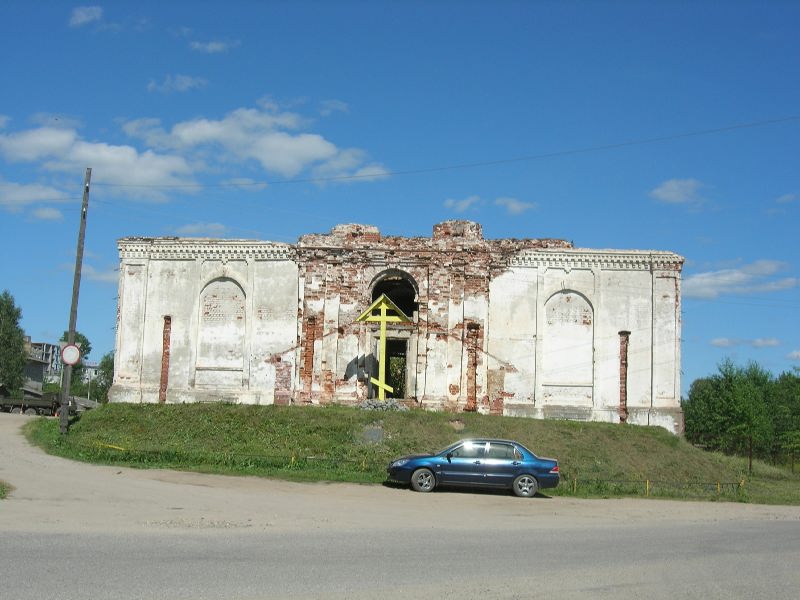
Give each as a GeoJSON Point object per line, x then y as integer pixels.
{"type": "Point", "coordinates": [208, 249]}
{"type": "Point", "coordinates": [145, 248]}
{"type": "Point", "coordinates": [603, 259]}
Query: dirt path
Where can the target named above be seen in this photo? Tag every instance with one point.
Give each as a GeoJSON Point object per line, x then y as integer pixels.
{"type": "Point", "coordinates": [54, 494]}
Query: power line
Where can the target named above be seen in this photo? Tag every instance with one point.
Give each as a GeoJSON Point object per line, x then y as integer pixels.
{"type": "Point", "coordinates": [468, 165]}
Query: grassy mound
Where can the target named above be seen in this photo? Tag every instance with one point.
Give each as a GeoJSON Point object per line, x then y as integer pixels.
{"type": "Point", "coordinates": [347, 444]}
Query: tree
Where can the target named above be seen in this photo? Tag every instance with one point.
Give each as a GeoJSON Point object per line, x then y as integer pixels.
{"type": "Point", "coordinates": [785, 408]}
{"type": "Point", "coordinates": [751, 424]}
{"type": "Point", "coordinates": [729, 411]}
{"type": "Point", "coordinates": [86, 347]}
{"type": "Point", "coordinates": [13, 356]}
{"type": "Point", "coordinates": [105, 377]}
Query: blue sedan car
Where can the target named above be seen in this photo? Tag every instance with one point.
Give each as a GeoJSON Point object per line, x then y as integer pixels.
{"type": "Point", "coordinates": [478, 463]}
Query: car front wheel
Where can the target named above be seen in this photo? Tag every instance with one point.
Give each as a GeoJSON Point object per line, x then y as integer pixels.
{"type": "Point", "coordinates": [525, 486]}
{"type": "Point", "coordinates": [422, 480]}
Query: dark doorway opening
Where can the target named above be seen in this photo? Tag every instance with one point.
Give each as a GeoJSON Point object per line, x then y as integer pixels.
{"type": "Point", "coordinates": [396, 352]}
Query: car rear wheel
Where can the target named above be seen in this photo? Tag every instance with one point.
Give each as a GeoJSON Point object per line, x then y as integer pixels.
{"type": "Point", "coordinates": [422, 480]}
{"type": "Point", "coordinates": [525, 486]}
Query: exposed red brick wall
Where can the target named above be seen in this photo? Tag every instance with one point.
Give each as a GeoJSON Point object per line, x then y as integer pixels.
{"type": "Point", "coordinates": [624, 340]}
{"type": "Point", "coordinates": [454, 264]}
{"type": "Point", "coordinates": [165, 349]}
{"type": "Point", "coordinates": [472, 366]}
{"type": "Point", "coordinates": [310, 333]}
{"type": "Point", "coordinates": [283, 379]}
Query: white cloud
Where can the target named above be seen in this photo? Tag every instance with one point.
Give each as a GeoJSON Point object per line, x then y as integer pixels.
{"type": "Point", "coordinates": [461, 206]}
{"type": "Point", "coordinates": [61, 150]}
{"type": "Point", "coordinates": [246, 183]}
{"type": "Point", "coordinates": [346, 165]}
{"type": "Point", "coordinates": [248, 134]}
{"type": "Point", "coordinates": [125, 166]}
{"type": "Point", "coordinates": [793, 355]}
{"type": "Point", "coordinates": [213, 47]}
{"type": "Point", "coordinates": [83, 15]}
{"type": "Point", "coordinates": [751, 278]}
{"type": "Point", "coordinates": [786, 198]}
{"type": "Point", "coordinates": [328, 107]}
{"type": "Point", "coordinates": [177, 83]}
{"type": "Point", "coordinates": [48, 213]}
{"type": "Point", "coordinates": [202, 230]}
{"type": "Point", "coordinates": [756, 343]}
{"type": "Point", "coordinates": [158, 157]}
{"type": "Point", "coordinates": [35, 144]}
{"type": "Point", "coordinates": [149, 130]}
{"type": "Point", "coordinates": [511, 205]}
{"type": "Point", "coordinates": [108, 276]}
{"type": "Point", "coordinates": [4, 120]}
{"type": "Point", "coordinates": [14, 196]}
{"type": "Point", "coordinates": [371, 172]}
{"type": "Point", "coordinates": [678, 191]}
{"type": "Point", "coordinates": [514, 206]}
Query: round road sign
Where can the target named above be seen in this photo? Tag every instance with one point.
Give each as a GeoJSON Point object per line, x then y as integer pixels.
{"type": "Point", "coordinates": [71, 354]}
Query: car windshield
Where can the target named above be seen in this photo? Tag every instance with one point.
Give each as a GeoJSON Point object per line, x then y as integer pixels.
{"type": "Point", "coordinates": [450, 447]}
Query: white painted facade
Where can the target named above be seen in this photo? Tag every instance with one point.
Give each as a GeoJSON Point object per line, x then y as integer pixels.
{"type": "Point", "coordinates": [525, 328]}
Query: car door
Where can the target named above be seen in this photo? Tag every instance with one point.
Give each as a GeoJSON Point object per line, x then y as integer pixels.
{"type": "Point", "coordinates": [501, 464]}
{"type": "Point", "coordinates": [463, 465]}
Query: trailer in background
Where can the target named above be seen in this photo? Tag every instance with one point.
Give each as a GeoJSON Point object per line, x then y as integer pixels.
{"type": "Point", "coordinates": [34, 402]}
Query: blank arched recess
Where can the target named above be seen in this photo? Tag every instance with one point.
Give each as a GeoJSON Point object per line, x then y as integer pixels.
{"type": "Point", "coordinates": [568, 339]}
{"type": "Point", "coordinates": [221, 325]}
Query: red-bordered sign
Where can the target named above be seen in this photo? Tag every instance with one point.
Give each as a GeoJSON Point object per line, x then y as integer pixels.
{"type": "Point", "coordinates": [70, 354]}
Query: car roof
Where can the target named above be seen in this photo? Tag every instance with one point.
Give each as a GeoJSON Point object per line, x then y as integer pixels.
{"type": "Point", "coordinates": [490, 440]}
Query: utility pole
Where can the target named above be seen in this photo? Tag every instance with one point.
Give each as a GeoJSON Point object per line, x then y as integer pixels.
{"type": "Point", "coordinates": [66, 373]}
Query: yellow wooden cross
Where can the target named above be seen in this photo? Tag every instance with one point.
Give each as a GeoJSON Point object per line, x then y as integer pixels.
{"type": "Point", "coordinates": [385, 306]}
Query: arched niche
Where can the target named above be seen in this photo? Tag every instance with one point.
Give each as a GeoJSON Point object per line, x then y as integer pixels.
{"type": "Point", "coordinates": [568, 340]}
{"type": "Point", "coordinates": [221, 326]}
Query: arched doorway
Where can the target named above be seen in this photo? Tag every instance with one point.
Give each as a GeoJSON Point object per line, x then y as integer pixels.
{"type": "Point", "coordinates": [401, 340]}
{"type": "Point", "coordinates": [399, 287]}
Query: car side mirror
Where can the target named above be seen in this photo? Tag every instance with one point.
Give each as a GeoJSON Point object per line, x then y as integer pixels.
{"type": "Point", "coordinates": [449, 456]}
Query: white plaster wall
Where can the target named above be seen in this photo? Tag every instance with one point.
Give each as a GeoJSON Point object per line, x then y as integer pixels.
{"type": "Point", "coordinates": [512, 332]}
{"type": "Point", "coordinates": [565, 378]}
{"type": "Point", "coordinates": [436, 366]}
{"type": "Point", "coordinates": [274, 323]}
{"type": "Point", "coordinates": [623, 289]}
{"type": "Point", "coordinates": [624, 305]}
{"type": "Point", "coordinates": [151, 289]}
{"type": "Point", "coordinates": [666, 339]}
{"type": "Point", "coordinates": [131, 303]}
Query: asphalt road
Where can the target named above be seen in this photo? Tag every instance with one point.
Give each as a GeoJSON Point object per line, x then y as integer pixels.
{"type": "Point", "coordinates": [70, 530]}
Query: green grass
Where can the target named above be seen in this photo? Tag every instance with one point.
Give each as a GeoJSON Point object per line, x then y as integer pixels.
{"type": "Point", "coordinates": [337, 443]}
{"type": "Point", "coordinates": [4, 489]}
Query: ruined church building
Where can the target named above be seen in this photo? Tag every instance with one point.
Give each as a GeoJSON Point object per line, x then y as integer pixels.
{"type": "Point", "coordinates": [531, 327]}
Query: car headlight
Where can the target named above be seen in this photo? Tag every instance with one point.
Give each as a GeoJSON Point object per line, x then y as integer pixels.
{"type": "Point", "coordinates": [400, 463]}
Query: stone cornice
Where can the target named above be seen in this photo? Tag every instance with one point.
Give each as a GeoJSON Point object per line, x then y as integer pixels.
{"type": "Point", "coordinates": [614, 260]}
{"type": "Point", "coordinates": [202, 248]}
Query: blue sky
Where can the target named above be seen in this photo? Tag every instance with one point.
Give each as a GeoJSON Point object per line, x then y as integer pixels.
{"type": "Point", "coordinates": [630, 125]}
